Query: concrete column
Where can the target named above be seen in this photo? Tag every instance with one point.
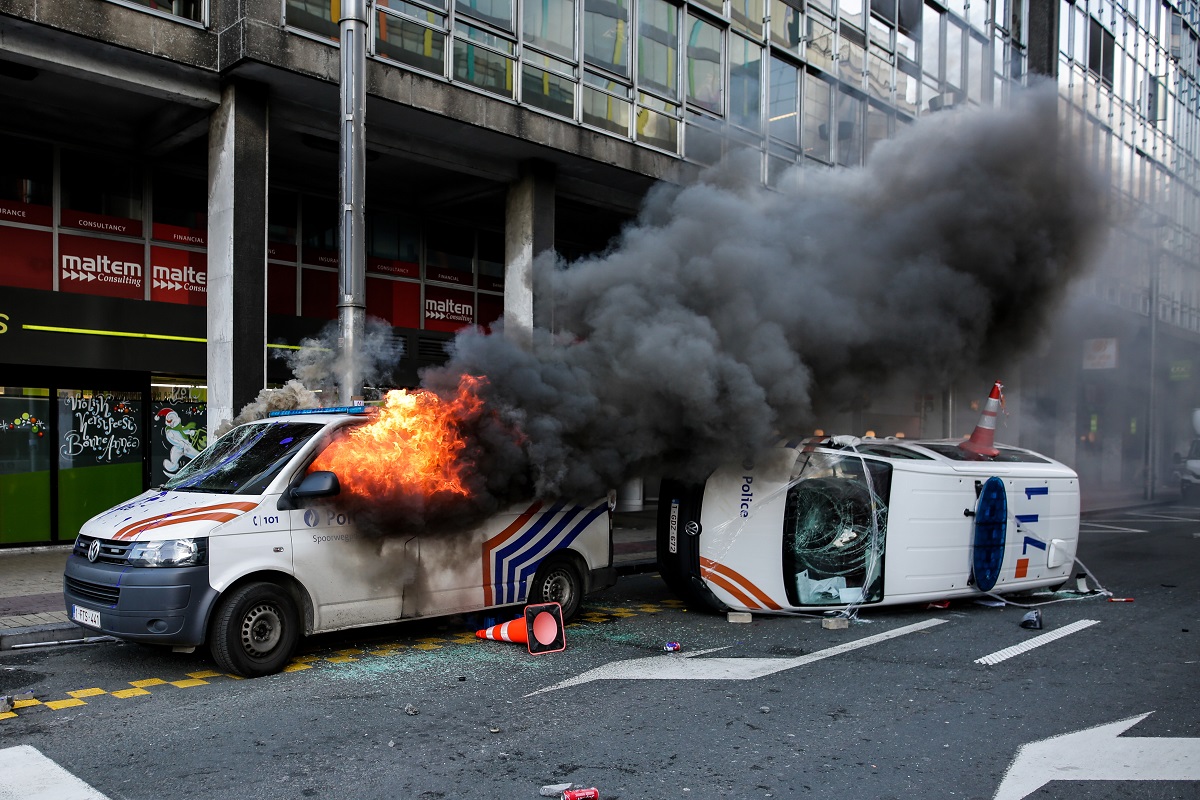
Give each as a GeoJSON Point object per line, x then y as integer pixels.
{"type": "Point", "coordinates": [528, 231]}
{"type": "Point", "coordinates": [237, 251]}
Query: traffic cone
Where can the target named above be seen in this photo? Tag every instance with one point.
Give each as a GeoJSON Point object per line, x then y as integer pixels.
{"type": "Point", "coordinates": [514, 630]}
{"type": "Point", "coordinates": [544, 628]}
{"type": "Point", "coordinates": [982, 441]}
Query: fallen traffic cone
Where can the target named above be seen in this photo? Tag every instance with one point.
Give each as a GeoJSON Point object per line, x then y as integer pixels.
{"type": "Point", "coordinates": [982, 441]}
{"type": "Point", "coordinates": [512, 631]}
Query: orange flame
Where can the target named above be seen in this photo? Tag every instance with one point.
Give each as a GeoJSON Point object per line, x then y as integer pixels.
{"type": "Point", "coordinates": [410, 446]}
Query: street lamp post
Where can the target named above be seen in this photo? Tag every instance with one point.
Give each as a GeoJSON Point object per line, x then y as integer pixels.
{"type": "Point", "coordinates": [352, 171]}
{"type": "Point", "coordinates": [1152, 393]}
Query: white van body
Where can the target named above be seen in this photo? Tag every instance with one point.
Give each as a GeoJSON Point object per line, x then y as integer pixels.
{"type": "Point", "coordinates": [804, 528]}
{"type": "Point", "coordinates": [172, 565]}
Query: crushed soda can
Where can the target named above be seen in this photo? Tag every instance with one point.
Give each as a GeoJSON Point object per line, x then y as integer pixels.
{"type": "Point", "coordinates": [672, 647]}
{"type": "Point", "coordinates": [581, 794]}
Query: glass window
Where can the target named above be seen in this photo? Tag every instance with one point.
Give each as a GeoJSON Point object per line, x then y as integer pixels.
{"type": "Point", "coordinates": [786, 23]}
{"type": "Point", "coordinates": [545, 89]}
{"type": "Point", "coordinates": [745, 83]}
{"type": "Point", "coordinates": [977, 70]}
{"type": "Point", "coordinates": [180, 200]}
{"type": "Point", "coordinates": [820, 41]}
{"type": "Point", "coordinates": [879, 126]}
{"type": "Point", "coordinates": [606, 34]}
{"type": "Point", "coordinates": [26, 175]}
{"type": "Point", "coordinates": [784, 109]}
{"type": "Point", "coordinates": [954, 54]}
{"type": "Point", "coordinates": [909, 21]}
{"type": "Point", "coordinates": [320, 224]}
{"type": "Point", "coordinates": [908, 83]}
{"type": "Point", "coordinates": [497, 12]}
{"type": "Point", "coordinates": [658, 47]}
{"type": "Point", "coordinates": [853, 55]}
{"type": "Point", "coordinates": [25, 452]}
{"type": "Point", "coordinates": [879, 74]}
{"type": "Point", "coordinates": [747, 15]}
{"type": "Point", "coordinates": [850, 129]}
{"type": "Point", "coordinates": [97, 184]}
{"type": "Point", "coordinates": [931, 43]}
{"type": "Point", "coordinates": [834, 529]}
{"type": "Point", "coordinates": [281, 216]}
{"type": "Point", "coordinates": [480, 66]}
{"type": "Point", "coordinates": [852, 11]}
{"type": "Point", "coordinates": [885, 9]}
{"type": "Point", "coordinates": [100, 453]}
{"type": "Point", "coordinates": [705, 68]}
{"type": "Point", "coordinates": [550, 26]}
{"type": "Point", "coordinates": [315, 16]}
{"type": "Point", "coordinates": [1101, 52]}
{"type": "Point", "coordinates": [704, 143]}
{"type": "Point", "coordinates": [411, 43]}
{"type": "Point", "coordinates": [609, 109]}
{"type": "Point", "coordinates": [817, 104]}
{"type": "Point", "coordinates": [188, 9]}
{"type": "Point", "coordinates": [977, 14]}
{"type": "Point", "coordinates": [449, 253]}
{"type": "Point", "coordinates": [658, 123]}
{"type": "Point", "coordinates": [393, 237]}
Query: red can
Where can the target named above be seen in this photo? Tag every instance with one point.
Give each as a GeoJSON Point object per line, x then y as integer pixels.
{"type": "Point", "coordinates": [581, 794]}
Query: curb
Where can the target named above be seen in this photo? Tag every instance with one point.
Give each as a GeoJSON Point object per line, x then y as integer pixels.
{"type": "Point", "coordinates": [50, 633]}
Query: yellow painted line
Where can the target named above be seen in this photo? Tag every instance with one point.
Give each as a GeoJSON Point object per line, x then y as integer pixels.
{"type": "Point", "coordinates": [26, 703]}
{"type": "Point", "coordinates": [189, 683]}
{"type": "Point", "coordinates": [389, 650]}
{"type": "Point", "coordinates": [7, 715]}
{"type": "Point", "coordinates": [207, 673]}
{"type": "Point", "coordinates": [341, 659]}
{"type": "Point", "coordinates": [427, 647]}
{"type": "Point", "coordinates": [296, 666]}
{"type": "Point", "coordinates": [148, 682]}
{"type": "Point", "coordinates": [81, 693]}
{"type": "Point", "coordinates": [60, 704]}
{"type": "Point", "coordinates": [121, 334]}
{"type": "Point", "coordinates": [124, 693]}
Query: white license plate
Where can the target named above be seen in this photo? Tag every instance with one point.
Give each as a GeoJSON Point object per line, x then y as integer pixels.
{"type": "Point", "coordinates": [85, 615]}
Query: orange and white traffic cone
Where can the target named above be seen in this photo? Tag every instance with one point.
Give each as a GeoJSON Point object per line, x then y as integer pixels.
{"type": "Point", "coordinates": [983, 438]}
{"type": "Point", "coordinates": [512, 631]}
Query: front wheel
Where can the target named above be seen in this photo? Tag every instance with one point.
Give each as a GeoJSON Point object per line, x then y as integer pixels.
{"type": "Point", "coordinates": [255, 630]}
{"type": "Point", "coordinates": [558, 582]}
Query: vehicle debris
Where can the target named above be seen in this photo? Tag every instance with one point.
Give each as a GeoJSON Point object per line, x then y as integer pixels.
{"type": "Point", "coordinates": [1032, 620]}
{"type": "Point", "coordinates": [739, 616]}
{"type": "Point", "coordinates": [835, 623]}
{"type": "Point", "coordinates": [672, 647]}
{"type": "Point", "coordinates": [411, 710]}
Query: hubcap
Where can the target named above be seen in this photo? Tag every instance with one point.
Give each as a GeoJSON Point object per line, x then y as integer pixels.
{"type": "Point", "coordinates": [558, 588]}
{"type": "Point", "coordinates": [261, 630]}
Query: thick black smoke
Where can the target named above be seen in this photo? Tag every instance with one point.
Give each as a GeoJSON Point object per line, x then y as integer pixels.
{"type": "Point", "coordinates": [727, 310]}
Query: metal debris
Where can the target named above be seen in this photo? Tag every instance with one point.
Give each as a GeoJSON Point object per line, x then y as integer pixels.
{"type": "Point", "coordinates": [411, 710]}
{"type": "Point", "coordinates": [554, 789]}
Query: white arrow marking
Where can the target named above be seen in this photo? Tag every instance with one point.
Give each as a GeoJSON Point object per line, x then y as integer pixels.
{"type": "Point", "coordinates": [689, 668]}
{"type": "Point", "coordinates": [29, 775]}
{"type": "Point", "coordinates": [1097, 754]}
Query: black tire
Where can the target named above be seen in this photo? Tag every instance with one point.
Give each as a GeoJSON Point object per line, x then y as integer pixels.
{"type": "Point", "coordinates": [255, 630]}
{"type": "Point", "coordinates": [558, 581]}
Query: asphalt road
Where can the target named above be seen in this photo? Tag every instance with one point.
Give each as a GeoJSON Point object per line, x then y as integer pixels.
{"type": "Point", "coordinates": [898, 708]}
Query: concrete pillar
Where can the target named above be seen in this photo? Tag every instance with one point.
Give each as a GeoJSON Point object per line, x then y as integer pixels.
{"type": "Point", "coordinates": [237, 251]}
{"type": "Point", "coordinates": [528, 231]}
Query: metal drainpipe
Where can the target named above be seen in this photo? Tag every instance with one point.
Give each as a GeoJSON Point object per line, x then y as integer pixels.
{"type": "Point", "coordinates": [352, 173]}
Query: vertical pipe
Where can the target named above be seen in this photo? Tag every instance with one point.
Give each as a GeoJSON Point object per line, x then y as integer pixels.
{"type": "Point", "coordinates": [352, 172]}
{"type": "Point", "coordinates": [1152, 393]}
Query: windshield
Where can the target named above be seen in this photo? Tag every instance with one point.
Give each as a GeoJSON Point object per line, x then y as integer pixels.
{"type": "Point", "coordinates": [834, 528]}
{"type": "Point", "coordinates": [245, 460]}
{"type": "Point", "coordinates": [956, 453]}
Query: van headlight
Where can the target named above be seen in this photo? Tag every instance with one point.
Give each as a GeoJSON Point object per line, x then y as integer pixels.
{"type": "Point", "coordinates": [169, 553]}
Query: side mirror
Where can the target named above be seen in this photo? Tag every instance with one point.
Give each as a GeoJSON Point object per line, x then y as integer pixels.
{"type": "Point", "coordinates": [315, 484]}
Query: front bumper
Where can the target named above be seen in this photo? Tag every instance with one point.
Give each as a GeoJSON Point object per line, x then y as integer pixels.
{"type": "Point", "coordinates": [152, 605]}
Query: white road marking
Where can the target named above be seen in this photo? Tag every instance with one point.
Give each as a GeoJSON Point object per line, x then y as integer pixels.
{"type": "Point", "coordinates": [1100, 754]}
{"type": "Point", "coordinates": [1037, 641]}
{"type": "Point", "coordinates": [29, 775]}
{"type": "Point", "coordinates": [1156, 515]}
{"type": "Point", "coordinates": [1096, 526]}
{"type": "Point", "coordinates": [683, 668]}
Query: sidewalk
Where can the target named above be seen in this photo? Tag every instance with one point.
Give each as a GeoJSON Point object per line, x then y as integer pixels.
{"type": "Point", "coordinates": [31, 599]}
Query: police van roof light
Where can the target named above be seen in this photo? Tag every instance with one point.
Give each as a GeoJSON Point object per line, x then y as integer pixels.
{"type": "Point", "coordinates": [331, 410]}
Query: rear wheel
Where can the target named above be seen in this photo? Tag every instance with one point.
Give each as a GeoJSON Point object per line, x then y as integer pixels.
{"type": "Point", "coordinates": [559, 582]}
{"type": "Point", "coordinates": [255, 630]}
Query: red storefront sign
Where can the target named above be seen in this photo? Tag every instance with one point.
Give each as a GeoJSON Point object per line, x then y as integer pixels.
{"type": "Point", "coordinates": [395, 302]}
{"type": "Point", "coordinates": [321, 258]}
{"type": "Point", "coordinates": [180, 235]}
{"type": "Point", "coordinates": [448, 309]}
{"type": "Point", "coordinates": [393, 267]}
{"type": "Point", "coordinates": [11, 211]}
{"type": "Point", "coordinates": [281, 289]}
{"type": "Point", "coordinates": [26, 258]}
{"type": "Point", "coordinates": [178, 276]}
{"type": "Point", "coordinates": [277, 251]}
{"type": "Point", "coordinates": [100, 223]}
{"type": "Point", "coordinates": [100, 266]}
{"type": "Point", "coordinates": [434, 272]}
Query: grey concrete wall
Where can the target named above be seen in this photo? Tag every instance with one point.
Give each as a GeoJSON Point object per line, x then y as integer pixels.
{"type": "Point", "coordinates": [528, 231]}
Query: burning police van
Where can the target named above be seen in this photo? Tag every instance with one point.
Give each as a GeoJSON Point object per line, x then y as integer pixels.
{"type": "Point", "coordinates": [837, 523]}
{"type": "Point", "coordinates": [248, 548]}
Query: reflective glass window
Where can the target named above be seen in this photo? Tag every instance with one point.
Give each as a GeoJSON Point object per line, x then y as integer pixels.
{"type": "Point", "coordinates": [550, 26]}
{"type": "Point", "coordinates": [314, 16]}
{"type": "Point", "coordinates": [482, 67]}
{"type": "Point", "coordinates": [497, 12]}
{"type": "Point", "coordinates": [606, 34]}
{"type": "Point", "coordinates": [658, 123]}
{"type": "Point", "coordinates": [786, 22]}
{"type": "Point", "coordinates": [954, 54]}
{"type": "Point", "coordinates": [851, 11]}
{"type": "Point", "coordinates": [705, 69]}
{"type": "Point", "coordinates": [418, 45]}
{"type": "Point", "coordinates": [26, 448]}
{"type": "Point", "coordinates": [977, 70]}
{"type": "Point", "coordinates": [850, 134]}
{"type": "Point", "coordinates": [820, 41]}
{"type": "Point", "coordinates": [101, 446]}
{"type": "Point", "coordinates": [784, 108]}
{"type": "Point", "coordinates": [747, 15]}
{"type": "Point", "coordinates": [817, 103]}
{"type": "Point", "coordinates": [605, 111]}
{"type": "Point", "coordinates": [658, 47]}
{"type": "Point", "coordinates": [745, 83]}
{"type": "Point", "coordinates": [188, 9]}
{"type": "Point", "coordinates": [546, 90]}
{"type": "Point", "coordinates": [931, 42]}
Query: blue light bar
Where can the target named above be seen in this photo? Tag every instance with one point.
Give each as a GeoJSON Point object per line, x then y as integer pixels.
{"type": "Point", "coordinates": [295, 412]}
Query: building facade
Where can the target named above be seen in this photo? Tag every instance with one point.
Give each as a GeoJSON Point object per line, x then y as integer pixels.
{"type": "Point", "coordinates": [169, 173]}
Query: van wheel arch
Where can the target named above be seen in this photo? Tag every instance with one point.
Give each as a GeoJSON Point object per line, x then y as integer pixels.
{"type": "Point", "coordinates": [257, 622]}
{"type": "Point", "coordinates": [561, 578]}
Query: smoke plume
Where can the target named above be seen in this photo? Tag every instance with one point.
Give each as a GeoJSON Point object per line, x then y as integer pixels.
{"type": "Point", "coordinates": [728, 310]}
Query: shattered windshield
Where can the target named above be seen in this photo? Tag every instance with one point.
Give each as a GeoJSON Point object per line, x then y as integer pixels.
{"type": "Point", "coordinates": [1010, 454]}
{"type": "Point", "coordinates": [834, 527]}
{"type": "Point", "coordinates": [245, 460]}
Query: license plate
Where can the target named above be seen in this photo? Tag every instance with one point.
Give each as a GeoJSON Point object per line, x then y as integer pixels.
{"type": "Point", "coordinates": [85, 615]}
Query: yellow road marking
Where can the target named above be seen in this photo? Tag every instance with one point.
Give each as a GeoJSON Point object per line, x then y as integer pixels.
{"type": "Point", "coordinates": [7, 715]}
{"type": "Point", "coordinates": [123, 693]}
{"type": "Point", "coordinates": [296, 666]}
{"type": "Point", "coordinates": [148, 682]}
{"type": "Point", "coordinates": [189, 683]}
{"type": "Point", "coordinates": [60, 704]}
{"type": "Point", "coordinates": [206, 673]}
{"type": "Point", "coordinates": [81, 693]}
{"type": "Point", "coordinates": [26, 703]}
